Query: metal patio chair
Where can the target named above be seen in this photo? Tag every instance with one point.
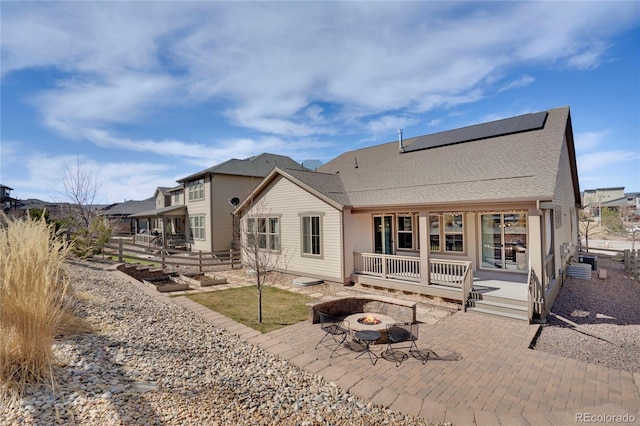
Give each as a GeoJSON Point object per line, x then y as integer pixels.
{"type": "Point", "coordinates": [403, 333]}
{"type": "Point", "coordinates": [335, 329]}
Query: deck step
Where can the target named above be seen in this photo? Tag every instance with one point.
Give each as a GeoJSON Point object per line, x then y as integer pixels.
{"type": "Point", "coordinates": [519, 317]}
{"type": "Point", "coordinates": [509, 308]}
{"type": "Point", "coordinates": [488, 297]}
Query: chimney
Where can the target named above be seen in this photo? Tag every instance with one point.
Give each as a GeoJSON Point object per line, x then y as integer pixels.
{"type": "Point", "coordinates": [400, 145]}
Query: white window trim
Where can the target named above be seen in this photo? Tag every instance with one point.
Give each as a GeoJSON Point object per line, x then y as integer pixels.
{"type": "Point", "coordinates": [267, 234]}
{"type": "Point", "coordinates": [320, 217]}
{"type": "Point", "coordinates": [413, 232]}
{"type": "Point", "coordinates": [442, 233]}
{"type": "Point", "coordinates": [195, 190]}
{"type": "Point", "coordinates": [203, 227]}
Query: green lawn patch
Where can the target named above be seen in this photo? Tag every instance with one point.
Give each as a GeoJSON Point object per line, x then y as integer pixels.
{"type": "Point", "coordinates": [279, 307]}
{"type": "Point", "coordinates": [127, 259]}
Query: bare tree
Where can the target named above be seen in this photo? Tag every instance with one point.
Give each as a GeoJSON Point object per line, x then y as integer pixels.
{"type": "Point", "coordinates": [81, 187]}
{"type": "Point", "coordinates": [585, 226]}
{"type": "Point", "coordinates": [262, 248]}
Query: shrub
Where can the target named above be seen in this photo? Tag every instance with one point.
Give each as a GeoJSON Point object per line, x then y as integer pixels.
{"type": "Point", "coordinates": [35, 301]}
{"type": "Point", "coordinates": [90, 241]}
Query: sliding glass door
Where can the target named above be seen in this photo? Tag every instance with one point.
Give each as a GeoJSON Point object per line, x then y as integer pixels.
{"type": "Point", "coordinates": [383, 232]}
{"type": "Point", "coordinates": [504, 241]}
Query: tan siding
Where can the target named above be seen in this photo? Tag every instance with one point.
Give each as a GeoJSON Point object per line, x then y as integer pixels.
{"type": "Point", "coordinates": [564, 202]}
{"type": "Point", "coordinates": [226, 187]}
{"type": "Point", "coordinates": [565, 199]}
{"type": "Point", "coordinates": [198, 208]}
{"type": "Point", "coordinates": [287, 200]}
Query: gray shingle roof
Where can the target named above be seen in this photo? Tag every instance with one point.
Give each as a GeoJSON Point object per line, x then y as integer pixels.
{"type": "Point", "coordinates": [131, 207]}
{"type": "Point", "coordinates": [176, 210]}
{"type": "Point", "coordinates": [259, 166]}
{"type": "Point", "coordinates": [522, 166]}
{"type": "Point", "coordinates": [329, 185]}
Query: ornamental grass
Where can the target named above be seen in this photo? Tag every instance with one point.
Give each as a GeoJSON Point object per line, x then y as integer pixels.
{"type": "Point", "coordinates": [35, 302]}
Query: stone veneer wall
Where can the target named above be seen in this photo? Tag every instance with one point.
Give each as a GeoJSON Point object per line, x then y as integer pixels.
{"type": "Point", "coordinates": [399, 310]}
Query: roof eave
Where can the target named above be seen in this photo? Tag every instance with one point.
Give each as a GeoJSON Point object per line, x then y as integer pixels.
{"type": "Point", "coordinates": [270, 177]}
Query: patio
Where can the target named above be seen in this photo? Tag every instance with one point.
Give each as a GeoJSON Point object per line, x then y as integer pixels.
{"type": "Point", "coordinates": [480, 371]}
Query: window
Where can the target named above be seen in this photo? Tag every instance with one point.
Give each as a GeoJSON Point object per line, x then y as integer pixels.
{"type": "Point", "coordinates": [176, 198]}
{"type": "Point", "coordinates": [196, 223]}
{"type": "Point", "coordinates": [264, 232]}
{"type": "Point", "coordinates": [447, 227]}
{"type": "Point", "coordinates": [311, 235]}
{"type": "Point", "coordinates": [196, 190]}
{"type": "Point", "coordinates": [274, 233]}
{"type": "Point", "coordinates": [405, 232]}
{"type": "Point", "coordinates": [434, 232]}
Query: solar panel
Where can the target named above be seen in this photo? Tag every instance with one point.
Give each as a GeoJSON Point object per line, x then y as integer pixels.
{"type": "Point", "coordinates": [507, 126]}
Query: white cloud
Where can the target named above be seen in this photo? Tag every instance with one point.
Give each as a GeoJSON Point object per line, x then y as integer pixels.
{"type": "Point", "coordinates": [118, 181]}
{"type": "Point", "coordinates": [596, 161]}
{"type": "Point", "coordinates": [389, 125]}
{"type": "Point", "coordinates": [523, 81]}
{"type": "Point", "coordinates": [273, 63]}
{"type": "Point", "coordinates": [9, 151]}
{"type": "Point", "coordinates": [587, 141]}
{"type": "Point", "coordinates": [121, 99]}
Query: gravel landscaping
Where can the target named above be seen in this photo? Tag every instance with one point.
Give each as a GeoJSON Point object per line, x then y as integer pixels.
{"type": "Point", "coordinates": [609, 309]}
{"type": "Point", "coordinates": [154, 363]}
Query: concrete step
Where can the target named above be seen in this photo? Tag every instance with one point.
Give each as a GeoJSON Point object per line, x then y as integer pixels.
{"type": "Point", "coordinates": [501, 306]}
{"type": "Point", "coordinates": [518, 317]}
{"type": "Point", "coordinates": [489, 298]}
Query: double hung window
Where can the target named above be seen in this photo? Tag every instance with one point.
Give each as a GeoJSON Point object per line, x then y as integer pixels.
{"type": "Point", "coordinates": [263, 233]}
{"type": "Point", "coordinates": [405, 232]}
{"type": "Point", "coordinates": [311, 235]}
{"type": "Point", "coordinates": [197, 225]}
{"type": "Point", "coordinates": [446, 232]}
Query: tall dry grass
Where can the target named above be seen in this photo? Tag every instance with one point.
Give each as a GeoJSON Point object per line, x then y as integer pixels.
{"type": "Point", "coordinates": [35, 301]}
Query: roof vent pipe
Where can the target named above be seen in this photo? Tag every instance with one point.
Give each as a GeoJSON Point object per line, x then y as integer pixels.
{"type": "Point", "coordinates": [400, 145]}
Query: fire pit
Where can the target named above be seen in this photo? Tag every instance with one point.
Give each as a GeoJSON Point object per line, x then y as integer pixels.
{"type": "Point", "coordinates": [370, 321]}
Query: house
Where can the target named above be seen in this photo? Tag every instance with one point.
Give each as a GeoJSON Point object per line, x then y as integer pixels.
{"type": "Point", "coordinates": [7, 202]}
{"type": "Point", "coordinates": [634, 205]}
{"type": "Point", "coordinates": [197, 212]}
{"type": "Point", "coordinates": [485, 215]}
{"type": "Point", "coordinates": [118, 217]}
{"type": "Point", "coordinates": [594, 199]}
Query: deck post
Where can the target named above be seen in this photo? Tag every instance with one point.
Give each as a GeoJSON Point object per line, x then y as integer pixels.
{"type": "Point", "coordinates": [120, 250]}
{"type": "Point", "coordinates": [199, 260]}
{"type": "Point", "coordinates": [423, 226]}
{"type": "Point", "coordinates": [231, 257]}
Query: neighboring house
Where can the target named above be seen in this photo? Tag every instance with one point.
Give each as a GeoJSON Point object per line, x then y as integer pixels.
{"type": "Point", "coordinates": [627, 204]}
{"type": "Point", "coordinates": [491, 206]}
{"type": "Point", "coordinates": [594, 199]}
{"type": "Point", "coordinates": [634, 205]}
{"type": "Point", "coordinates": [119, 217]}
{"type": "Point", "coordinates": [7, 202]}
{"type": "Point", "coordinates": [200, 209]}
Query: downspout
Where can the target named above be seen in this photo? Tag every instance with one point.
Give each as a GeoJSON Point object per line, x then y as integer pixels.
{"type": "Point", "coordinates": [543, 224]}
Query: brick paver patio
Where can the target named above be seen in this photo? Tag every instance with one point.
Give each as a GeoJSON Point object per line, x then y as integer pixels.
{"type": "Point", "coordinates": [480, 372]}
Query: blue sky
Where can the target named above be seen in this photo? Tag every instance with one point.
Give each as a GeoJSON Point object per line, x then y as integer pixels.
{"type": "Point", "coordinates": [145, 93]}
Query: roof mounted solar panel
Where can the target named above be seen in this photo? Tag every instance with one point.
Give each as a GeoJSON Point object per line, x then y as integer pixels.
{"type": "Point", "coordinates": [507, 126]}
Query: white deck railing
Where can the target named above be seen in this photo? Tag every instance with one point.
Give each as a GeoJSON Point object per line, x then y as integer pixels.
{"type": "Point", "coordinates": [450, 273]}
{"type": "Point", "coordinates": [388, 266]}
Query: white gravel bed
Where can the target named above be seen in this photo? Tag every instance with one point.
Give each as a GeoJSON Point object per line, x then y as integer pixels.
{"type": "Point", "coordinates": [607, 308]}
{"type": "Point", "coordinates": [155, 363]}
